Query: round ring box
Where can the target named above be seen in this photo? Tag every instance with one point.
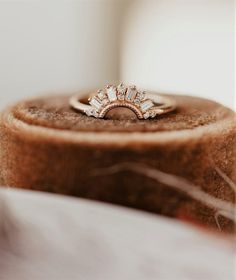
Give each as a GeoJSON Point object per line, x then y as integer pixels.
{"type": "Point", "coordinates": [45, 145]}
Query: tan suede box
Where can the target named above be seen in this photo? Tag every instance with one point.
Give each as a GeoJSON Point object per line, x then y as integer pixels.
{"type": "Point", "coordinates": [45, 145]}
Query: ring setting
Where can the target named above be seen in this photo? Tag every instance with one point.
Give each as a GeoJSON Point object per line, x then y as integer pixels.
{"type": "Point", "coordinates": [143, 104]}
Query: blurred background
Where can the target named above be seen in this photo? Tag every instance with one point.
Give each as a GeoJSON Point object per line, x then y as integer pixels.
{"type": "Point", "coordinates": [181, 46]}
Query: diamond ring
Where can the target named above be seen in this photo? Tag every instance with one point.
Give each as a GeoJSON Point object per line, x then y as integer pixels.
{"type": "Point", "coordinates": [144, 105]}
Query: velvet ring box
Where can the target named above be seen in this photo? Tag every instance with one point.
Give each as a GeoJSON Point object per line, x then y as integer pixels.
{"type": "Point", "coordinates": [45, 145]}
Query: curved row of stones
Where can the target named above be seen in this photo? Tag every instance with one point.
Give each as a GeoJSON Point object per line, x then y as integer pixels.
{"type": "Point", "coordinates": [123, 94]}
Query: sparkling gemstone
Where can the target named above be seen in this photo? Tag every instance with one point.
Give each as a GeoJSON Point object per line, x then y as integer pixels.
{"type": "Point", "coordinates": [131, 94]}
{"type": "Point", "coordinates": [96, 103]}
{"type": "Point", "coordinates": [111, 92]}
{"type": "Point", "coordinates": [101, 94]}
{"type": "Point", "coordinates": [145, 105]}
{"type": "Point", "coordinates": [141, 95]}
{"type": "Point", "coordinates": [137, 101]}
{"type": "Point", "coordinates": [146, 115]}
{"type": "Point", "coordinates": [121, 89]}
{"type": "Point", "coordinates": [152, 114]}
{"type": "Point", "coordinates": [121, 92]}
{"type": "Point", "coordinates": [91, 112]}
{"type": "Point", "coordinates": [121, 96]}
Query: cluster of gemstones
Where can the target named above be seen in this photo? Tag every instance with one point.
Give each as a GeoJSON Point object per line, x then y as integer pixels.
{"type": "Point", "coordinates": [120, 94]}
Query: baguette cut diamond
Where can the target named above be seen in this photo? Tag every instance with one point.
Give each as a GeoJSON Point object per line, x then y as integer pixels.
{"type": "Point", "coordinates": [111, 93]}
{"type": "Point", "coordinates": [146, 105]}
{"type": "Point", "coordinates": [96, 103]}
{"type": "Point", "coordinates": [131, 94]}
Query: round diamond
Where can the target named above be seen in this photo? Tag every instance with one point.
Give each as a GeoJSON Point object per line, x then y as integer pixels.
{"type": "Point", "coordinates": [152, 114]}
{"type": "Point", "coordinates": [137, 101]}
{"type": "Point", "coordinates": [121, 91]}
{"type": "Point", "coordinates": [121, 88]}
{"type": "Point", "coordinates": [146, 115]}
{"type": "Point", "coordinates": [141, 95]}
{"type": "Point", "coordinates": [121, 96]}
{"type": "Point", "coordinates": [91, 112]}
{"type": "Point", "coordinates": [101, 94]}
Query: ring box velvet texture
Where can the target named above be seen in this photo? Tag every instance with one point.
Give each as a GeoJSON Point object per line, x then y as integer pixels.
{"type": "Point", "coordinates": [45, 145]}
